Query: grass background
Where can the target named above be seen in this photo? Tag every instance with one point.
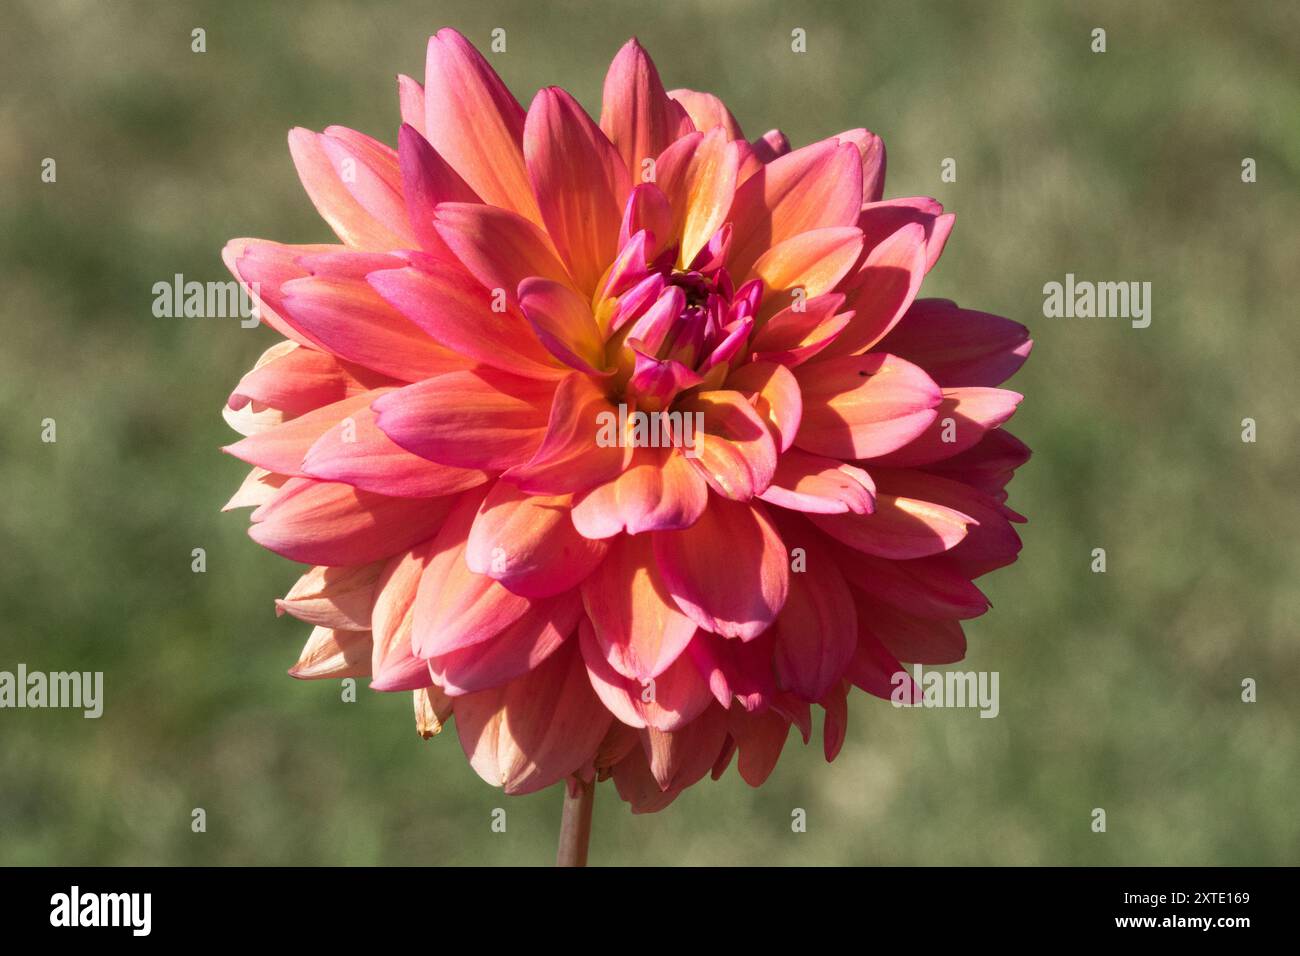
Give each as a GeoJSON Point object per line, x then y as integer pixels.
{"type": "Point", "coordinates": [1119, 690]}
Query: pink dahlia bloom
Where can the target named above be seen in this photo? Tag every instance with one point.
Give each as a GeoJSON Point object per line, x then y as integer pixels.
{"type": "Point", "coordinates": [433, 435]}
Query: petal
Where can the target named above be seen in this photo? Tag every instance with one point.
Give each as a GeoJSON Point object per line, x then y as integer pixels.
{"type": "Point", "coordinates": [333, 598]}
{"type": "Point", "coordinates": [537, 729]}
{"type": "Point", "coordinates": [347, 317]}
{"type": "Point", "coordinates": [963, 417]}
{"type": "Point", "coordinates": [636, 113]}
{"type": "Point", "coordinates": [728, 571]}
{"type": "Point", "coordinates": [564, 324]}
{"type": "Point", "coordinates": [811, 483]}
{"type": "Point", "coordinates": [295, 380]}
{"type": "Point", "coordinates": [514, 652]}
{"type": "Point", "coordinates": [860, 406]}
{"type": "Point", "coordinates": [667, 702]}
{"type": "Point", "coordinates": [499, 248]}
{"type": "Point", "coordinates": [776, 395]}
{"type": "Point", "coordinates": [333, 654]}
{"type": "Point", "coordinates": [760, 739]}
{"type": "Point", "coordinates": [454, 607]}
{"type": "Point", "coordinates": [371, 172]}
{"type": "Point", "coordinates": [324, 522]}
{"type": "Point", "coordinates": [872, 150]}
{"type": "Point", "coordinates": [816, 187]}
{"type": "Point", "coordinates": [261, 268]}
{"type": "Point", "coordinates": [427, 180]}
{"type": "Point", "coordinates": [393, 664]}
{"type": "Point", "coordinates": [357, 453]}
{"type": "Point", "coordinates": [474, 419]}
{"type": "Point", "coordinates": [932, 588]}
{"type": "Point", "coordinates": [351, 220]}
{"type": "Point", "coordinates": [817, 630]}
{"type": "Point", "coordinates": [879, 220]}
{"type": "Point", "coordinates": [737, 670]}
{"type": "Point", "coordinates": [682, 757]}
{"type": "Point", "coordinates": [809, 264]}
{"type": "Point", "coordinates": [733, 448]}
{"type": "Point", "coordinates": [698, 174]}
{"type": "Point", "coordinates": [911, 638]}
{"type": "Point", "coordinates": [580, 182]}
{"type": "Point", "coordinates": [874, 669]}
{"type": "Point", "coordinates": [257, 489]}
{"type": "Point", "coordinates": [900, 528]}
{"type": "Point", "coordinates": [959, 347]}
{"type": "Point", "coordinates": [991, 543]}
{"type": "Point", "coordinates": [282, 449]}
{"type": "Point", "coordinates": [636, 623]}
{"type": "Point", "coordinates": [456, 311]}
{"type": "Point", "coordinates": [800, 331]}
{"type": "Point", "coordinates": [659, 491]}
{"type": "Point", "coordinates": [529, 544]}
{"type": "Point", "coordinates": [410, 102]}
{"type": "Point", "coordinates": [880, 292]}
{"type": "Point", "coordinates": [475, 124]}
{"type": "Point", "coordinates": [571, 458]}
{"type": "Point", "coordinates": [707, 111]}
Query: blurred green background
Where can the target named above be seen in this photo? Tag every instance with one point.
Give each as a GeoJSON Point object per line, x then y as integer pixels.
{"type": "Point", "coordinates": [1119, 690]}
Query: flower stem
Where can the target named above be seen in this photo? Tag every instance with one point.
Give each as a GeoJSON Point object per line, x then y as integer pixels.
{"type": "Point", "coordinates": [575, 823]}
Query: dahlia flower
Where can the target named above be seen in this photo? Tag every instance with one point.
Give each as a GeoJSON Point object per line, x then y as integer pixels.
{"type": "Point", "coordinates": [508, 282]}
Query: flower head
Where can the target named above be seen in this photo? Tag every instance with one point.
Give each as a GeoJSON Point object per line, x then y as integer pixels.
{"type": "Point", "coordinates": [628, 442]}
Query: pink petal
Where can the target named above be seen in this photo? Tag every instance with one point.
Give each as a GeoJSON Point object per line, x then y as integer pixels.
{"type": "Point", "coordinates": [874, 669]}
{"type": "Point", "coordinates": [333, 598]}
{"type": "Point", "coordinates": [872, 150]}
{"type": "Point", "coordinates": [682, 757]}
{"type": "Point", "coordinates": [659, 491]}
{"type": "Point", "coordinates": [880, 292]}
{"type": "Point", "coordinates": [456, 311]}
{"type": "Point", "coordinates": [295, 380]}
{"type": "Point", "coordinates": [473, 419]}
{"type": "Point", "coordinates": [536, 730]}
{"type": "Point", "coordinates": [529, 544]}
{"type": "Point", "coordinates": [860, 406]}
{"type": "Point", "coordinates": [959, 347]}
{"type": "Point", "coordinates": [357, 453]}
{"type": "Point", "coordinates": [900, 528]}
{"type": "Point", "coordinates": [776, 396]}
{"type": "Point", "coordinates": [636, 624]}
{"type": "Point", "coordinates": [281, 449]}
{"type": "Point", "coordinates": [427, 180]}
{"type": "Point", "coordinates": [475, 124]}
{"type": "Point", "coordinates": [759, 740]}
{"type": "Point", "coordinates": [817, 630]}
{"type": "Point", "coordinates": [698, 174]}
{"type": "Point", "coordinates": [499, 248]}
{"type": "Point", "coordinates": [811, 483]}
{"type": "Point", "coordinates": [580, 182]}
{"type": "Point", "coordinates": [454, 607]}
{"type": "Point", "coordinates": [569, 458]}
{"type": "Point", "coordinates": [798, 332]}
{"type": "Point", "coordinates": [707, 111]}
{"type": "Point", "coordinates": [354, 223]}
{"type": "Point", "coordinates": [347, 317]}
{"type": "Point", "coordinates": [911, 638]}
{"type": "Point", "coordinates": [564, 324]}
{"type": "Point", "coordinates": [668, 702]}
{"type": "Point", "coordinates": [816, 187]}
{"type": "Point", "coordinates": [735, 452]}
{"type": "Point", "coordinates": [324, 522]}
{"type": "Point", "coordinates": [514, 652]}
{"type": "Point", "coordinates": [410, 102]}
{"type": "Point", "coordinates": [811, 263]}
{"type": "Point", "coordinates": [636, 113]}
{"type": "Point", "coordinates": [932, 588]}
{"type": "Point", "coordinates": [729, 571]}
{"type": "Point", "coordinates": [963, 417]}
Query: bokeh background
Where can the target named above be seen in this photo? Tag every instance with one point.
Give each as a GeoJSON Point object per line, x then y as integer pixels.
{"type": "Point", "coordinates": [1119, 690]}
